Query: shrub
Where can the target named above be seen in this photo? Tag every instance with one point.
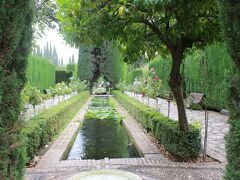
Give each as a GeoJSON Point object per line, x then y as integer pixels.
{"type": "Point", "coordinates": [181, 145]}
{"type": "Point", "coordinates": [63, 76]}
{"type": "Point", "coordinates": [15, 45]}
{"type": "Point", "coordinates": [131, 76]}
{"type": "Point", "coordinates": [35, 96]}
{"type": "Point", "coordinates": [42, 128]}
{"type": "Point", "coordinates": [77, 86]}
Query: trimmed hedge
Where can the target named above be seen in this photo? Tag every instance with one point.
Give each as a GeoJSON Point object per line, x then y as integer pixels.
{"type": "Point", "coordinates": [181, 145]}
{"type": "Point", "coordinates": [204, 71]}
{"type": "Point", "coordinates": [63, 76]}
{"type": "Point", "coordinates": [40, 72]}
{"type": "Point", "coordinates": [42, 128]}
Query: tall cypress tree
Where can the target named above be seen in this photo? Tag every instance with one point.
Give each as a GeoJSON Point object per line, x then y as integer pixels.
{"type": "Point", "coordinates": [112, 65]}
{"type": "Point", "coordinates": [47, 50]}
{"type": "Point", "coordinates": [55, 56]}
{"type": "Point", "coordinates": [51, 53]}
{"type": "Point", "coordinates": [39, 53]}
{"type": "Point", "coordinates": [73, 61]}
{"type": "Point", "coordinates": [15, 44]}
{"type": "Point", "coordinates": [89, 64]}
{"type": "Point", "coordinates": [231, 26]}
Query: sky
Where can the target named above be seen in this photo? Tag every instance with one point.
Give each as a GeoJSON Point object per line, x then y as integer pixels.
{"type": "Point", "coordinates": [63, 49]}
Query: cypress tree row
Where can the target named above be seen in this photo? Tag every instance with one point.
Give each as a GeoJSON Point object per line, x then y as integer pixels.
{"type": "Point", "coordinates": [88, 64]}
{"type": "Point", "coordinates": [231, 26]}
{"type": "Point", "coordinates": [112, 66]}
{"type": "Point", "coordinates": [15, 44]}
{"type": "Point", "coordinates": [104, 60]}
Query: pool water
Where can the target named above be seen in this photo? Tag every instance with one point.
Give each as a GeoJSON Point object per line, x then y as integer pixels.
{"type": "Point", "coordinates": [100, 138]}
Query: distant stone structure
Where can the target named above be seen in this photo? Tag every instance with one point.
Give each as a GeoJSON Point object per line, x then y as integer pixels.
{"type": "Point", "coordinates": [195, 101]}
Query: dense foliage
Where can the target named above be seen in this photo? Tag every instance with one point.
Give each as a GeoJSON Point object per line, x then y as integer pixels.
{"type": "Point", "coordinates": [181, 145]}
{"type": "Point", "coordinates": [231, 26]}
{"type": "Point", "coordinates": [15, 44]}
{"type": "Point", "coordinates": [72, 67]}
{"type": "Point", "coordinates": [49, 53]}
{"type": "Point", "coordinates": [104, 60]}
{"type": "Point", "coordinates": [101, 109]}
{"type": "Point", "coordinates": [208, 72]}
{"type": "Point", "coordinates": [40, 73]}
{"type": "Point", "coordinates": [204, 71]}
{"type": "Point", "coordinates": [132, 75]}
{"type": "Point", "coordinates": [42, 128]}
{"type": "Point", "coordinates": [62, 76]}
{"type": "Point", "coordinates": [112, 67]}
{"type": "Point", "coordinates": [142, 28]}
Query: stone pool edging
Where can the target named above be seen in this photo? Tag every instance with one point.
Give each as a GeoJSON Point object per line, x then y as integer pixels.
{"type": "Point", "coordinates": [60, 147]}
{"type": "Point", "coordinates": [52, 163]}
{"type": "Point", "coordinates": [147, 148]}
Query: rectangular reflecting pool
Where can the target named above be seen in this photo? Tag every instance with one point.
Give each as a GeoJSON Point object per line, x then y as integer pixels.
{"type": "Point", "coordinates": [102, 135]}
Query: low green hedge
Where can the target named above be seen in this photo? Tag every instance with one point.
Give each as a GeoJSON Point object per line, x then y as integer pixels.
{"type": "Point", "coordinates": [181, 145]}
{"type": "Point", "coordinates": [42, 128]}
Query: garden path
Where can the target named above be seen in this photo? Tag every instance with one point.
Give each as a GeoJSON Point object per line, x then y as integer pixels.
{"type": "Point", "coordinates": [217, 127]}
{"type": "Point", "coordinates": [48, 103]}
{"type": "Point", "coordinates": [150, 167]}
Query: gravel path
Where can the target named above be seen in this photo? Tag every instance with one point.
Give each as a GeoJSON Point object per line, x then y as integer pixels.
{"type": "Point", "coordinates": [217, 127]}
{"type": "Point", "coordinates": [29, 113]}
{"type": "Point", "coordinates": [149, 167]}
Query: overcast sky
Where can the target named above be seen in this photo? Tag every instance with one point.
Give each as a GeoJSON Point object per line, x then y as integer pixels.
{"type": "Point", "coordinates": [64, 50]}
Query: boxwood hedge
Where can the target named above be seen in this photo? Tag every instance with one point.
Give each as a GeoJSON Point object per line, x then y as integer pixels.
{"type": "Point", "coordinates": [42, 128]}
{"type": "Point", "coordinates": [181, 145]}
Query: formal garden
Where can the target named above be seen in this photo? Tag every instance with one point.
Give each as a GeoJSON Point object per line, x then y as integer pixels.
{"type": "Point", "coordinates": [154, 93]}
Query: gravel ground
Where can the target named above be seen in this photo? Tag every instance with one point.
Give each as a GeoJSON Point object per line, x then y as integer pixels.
{"type": "Point", "coordinates": [28, 112]}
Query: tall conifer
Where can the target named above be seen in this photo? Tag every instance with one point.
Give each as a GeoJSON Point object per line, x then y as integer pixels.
{"type": "Point", "coordinates": [15, 45]}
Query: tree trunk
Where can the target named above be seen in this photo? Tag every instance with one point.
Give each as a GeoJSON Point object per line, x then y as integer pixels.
{"type": "Point", "coordinates": [34, 110]}
{"type": "Point", "coordinates": [91, 89]}
{"type": "Point", "coordinates": [175, 84]}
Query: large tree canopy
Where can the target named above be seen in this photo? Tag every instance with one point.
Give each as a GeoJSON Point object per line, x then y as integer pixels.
{"type": "Point", "coordinates": [144, 27]}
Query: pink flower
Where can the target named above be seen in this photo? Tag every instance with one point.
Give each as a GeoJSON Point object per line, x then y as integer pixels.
{"type": "Point", "coordinates": [152, 69]}
{"type": "Point", "coordinates": [156, 78]}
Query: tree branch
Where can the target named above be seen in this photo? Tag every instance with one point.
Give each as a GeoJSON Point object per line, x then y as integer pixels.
{"type": "Point", "coordinates": [154, 28]}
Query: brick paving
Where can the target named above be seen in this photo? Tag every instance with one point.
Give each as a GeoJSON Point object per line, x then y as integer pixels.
{"type": "Point", "coordinates": [152, 165]}
{"type": "Point", "coordinates": [217, 126]}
